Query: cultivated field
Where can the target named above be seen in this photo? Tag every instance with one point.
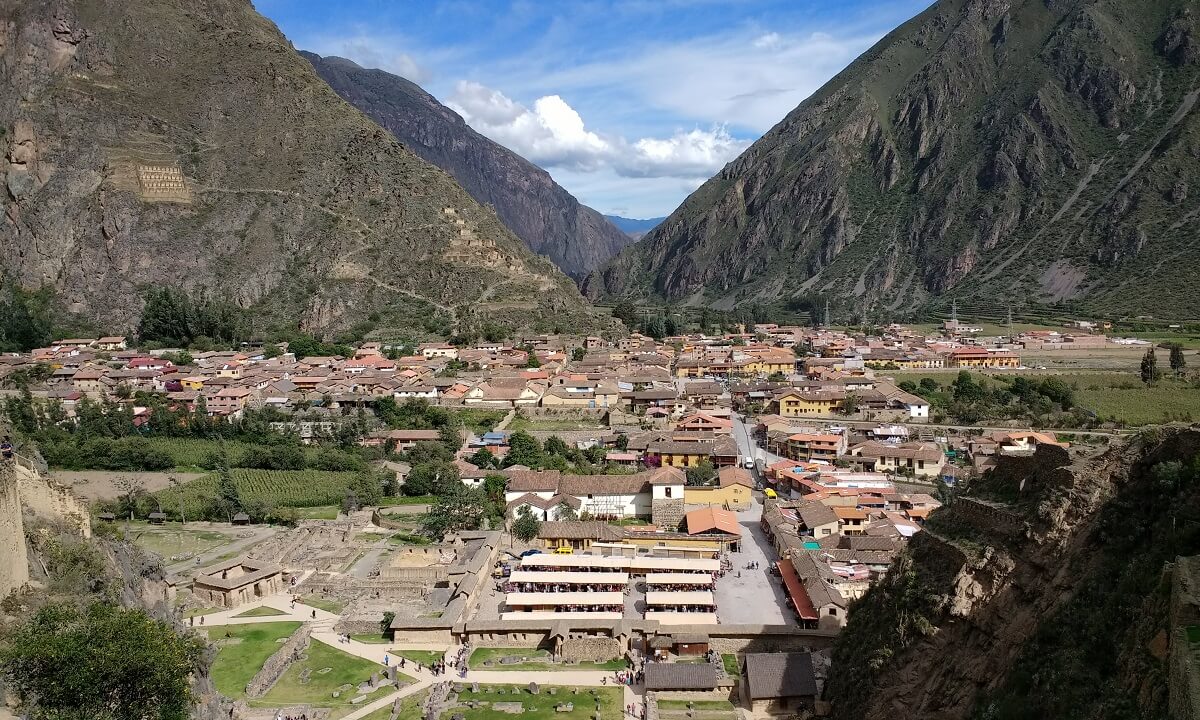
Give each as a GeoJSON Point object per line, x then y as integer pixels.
{"type": "Point", "coordinates": [276, 488]}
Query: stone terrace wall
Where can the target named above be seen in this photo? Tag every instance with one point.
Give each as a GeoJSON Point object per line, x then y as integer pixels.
{"type": "Point", "coordinates": [52, 501]}
{"type": "Point", "coordinates": [590, 649]}
{"type": "Point", "coordinates": [278, 663]}
{"type": "Point", "coordinates": [14, 563]}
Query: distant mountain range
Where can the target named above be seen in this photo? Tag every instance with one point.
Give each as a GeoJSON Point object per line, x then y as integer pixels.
{"type": "Point", "coordinates": [538, 210]}
{"type": "Point", "coordinates": [1025, 154]}
{"type": "Point", "coordinates": [632, 227]}
{"type": "Point", "coordinates": [163, 143]}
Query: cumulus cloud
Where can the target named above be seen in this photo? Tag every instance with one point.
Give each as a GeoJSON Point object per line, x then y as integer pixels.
{"type": "Point", "coordinates": [554, 135]}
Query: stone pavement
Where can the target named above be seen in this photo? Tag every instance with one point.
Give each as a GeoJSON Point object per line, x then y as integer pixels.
{"type": "Point", "coordinates": [756, 597]}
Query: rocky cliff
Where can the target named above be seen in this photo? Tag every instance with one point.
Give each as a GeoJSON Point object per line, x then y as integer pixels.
{"type": "Point", "coordinates": [546, 217]}
{"type": "Point", "coordinates": [1044, 593]}
{"type": "Point", "coordinates": [165, 142]}
{"type": "Point", "coordinates": [1000, 152]}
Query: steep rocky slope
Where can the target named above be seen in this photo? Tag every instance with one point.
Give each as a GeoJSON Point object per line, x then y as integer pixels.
{"type": "Point", "coordinates": [1041, 595]}
{"type": "Point", "coordinates": [165, 142]}
{"type": "Point", "coordinates": [1023, 152]}
{"type": "Point", "coordinates": [546, 217]}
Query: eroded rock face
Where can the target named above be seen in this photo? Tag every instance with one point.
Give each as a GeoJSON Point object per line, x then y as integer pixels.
{"type": "Point", "coordinates": [158, 143]}
{"type": "Point", "coordinates": [973, 147]}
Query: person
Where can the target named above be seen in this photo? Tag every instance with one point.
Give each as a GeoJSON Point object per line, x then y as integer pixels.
{"type": "Point", "coordinates": [385, 659]}
{"type": "Point", "coordinates": [6, 448]}
{"type": "Point", "coordinates": [314, 614]}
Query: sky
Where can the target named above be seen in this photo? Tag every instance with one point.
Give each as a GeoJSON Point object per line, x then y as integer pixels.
{"type": "Point", "coordinates": [629, 104]}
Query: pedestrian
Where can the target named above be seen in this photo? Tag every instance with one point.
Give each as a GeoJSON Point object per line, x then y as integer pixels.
{"type": "Point", "coordinates": [314, 614]}
{"type": "Point", "coordinates": [385, 659]}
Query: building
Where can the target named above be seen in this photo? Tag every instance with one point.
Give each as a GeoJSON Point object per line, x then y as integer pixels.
{"type": "Point", "coordinates": [809, 447]}
{"type": "Point", "coordinates": [973, 356]}
{"type": "Point", "coordinates": [779, 683]}
{"type": "Point", "coordinates": [732, 491]}
{"type": "Point", "coordinates": [237, 582]}
{"type": "Point", "coordinates": [916, 459]}
{"type": "Point", "coordinates": [809, 403]}
{"type": "Point", "coordinates": [682, 677]}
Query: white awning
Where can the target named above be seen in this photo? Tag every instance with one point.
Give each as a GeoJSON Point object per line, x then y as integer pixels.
{"type": "Point", "coordinates": [520, 599]}
{"type": "Point", "coordinates": [546, 615]}
{"type": "Point", "coordinates": [696, 597]}
{"type": "Point", "coordinates": [683, 618]}
{"type": "Point", "coordinates": [679, 579]}
{"type": "Point", "coordinates": [567, 577]}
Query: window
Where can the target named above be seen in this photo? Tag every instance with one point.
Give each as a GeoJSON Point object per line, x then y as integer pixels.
{"type": "Point", "coordinates": [825, 531]}
{"type": "Point", "coordinates": [667, 491]}
{"type": "Point", "coordinates": [833, 611]}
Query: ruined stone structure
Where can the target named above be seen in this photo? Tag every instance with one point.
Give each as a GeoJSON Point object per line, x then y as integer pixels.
{"type": "Point", "coordinates": [589, 649]}
{"type": "Point", "coordinates": [237, 582]}
{"type": "Point", "coordinates": [277, 664]}
{"type": "Point", "coordinates": [49, 500]}
{"type": "Point", "coordinates": [14, 563]}
{"type": "Point", "coordinates": [163, 183]}
{"type": "Point", "coordinates": [667, 512]}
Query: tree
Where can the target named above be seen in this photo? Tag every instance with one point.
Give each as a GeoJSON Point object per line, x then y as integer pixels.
{"type": "Point", "coordinates": [1149, 370]}
{"type": "Point", "coordinates": [24, 318]}
{"type": "Point", "coordinates": [459, 508]}
{"type": "Point", "coordinates": [523, 449]}
{"type": "Point", "coordinates": [101, 663]}
{"type": "Point", "coordinates": [526, 527]}
{"type": "Point", "coordinates": [578, 353]}
{"type": "Point", "coordinates": [555, 445]}
{"type": "Point", "coordinates": [626, 313]}
{"type": "Point", "coordinates": [1177, 360]}
{"type": "Point", "coordinates": [850, 404]}
{"type": "Point", "coordinates": [494, 486]}
{"type": "Point", "coordinates": [483, 459]}
{"type": "Point", "coordinates": [703, 474]}
{"type": "Point", "coordinates": [229, 499]}
{"type": "Point", "coordinates": [566, 513]}
{"type": "Point", "coordinates": [431, 478]}
{"type": "Point", "coordinates": [386, 622]}
{"type": "Point", "coordinates": [367, 487]}
{"type": "Point", "coordinates": [451, 438]}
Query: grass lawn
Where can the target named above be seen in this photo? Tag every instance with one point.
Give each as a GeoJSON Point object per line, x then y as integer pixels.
{"type": "Point", "coordinates": [328, 670]}
{"type": "Point", "coordinates": [696, 704]}
{"type": "Point", "coordinates": [425, 657]}
{"type": "Point", "coordinates": [407, 500]}
{"type": "Point", "coordinates": [371, 638]}
{"type": "Point", "coordinates": [197, 612]}
{"type": "Point", "coordinates": [403, 538]}
{"type": "Point", "coordinates": [321, 512]}
{"type": "Point", "coordinates": [541, 707]}
{"type": "Point", "coordinates": [262, 611]}
{"type": "Point", "coordinates": [322, 604]}
{"type": "Point", "coordinates": [731, 664]}
{"type": "Point", "coordinates": [173, 540]}
{"type": "Point", "coordinates": [410, 709]}
{"type": "Point", "coordinates": [242, 655]}
{"type": "Point", "coordinates": [481, 655]}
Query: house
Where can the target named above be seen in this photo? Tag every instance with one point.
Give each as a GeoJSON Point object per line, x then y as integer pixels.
{"type": "Point", "coordinates": [973, 356]}
{"type": "Point", "coordinates": [443, 351]}
{"type": "Point", "coordinates": [681, 677]}
{"type": "Point", "coordinates": [703, 422]}
{"type": "Point", "coordinates": [684, 452]}
{"type": "Point", "coordinates": [237, 582]}
{"type": "Point", "coordinates": [732, 491]}
{"type": "Point", "coordinates": [404, 439]}
{"type": "Point", "coordinates": [712, 520]}
{"type": "Point", "coordinates": [809, 403]}
{"type": "Point", "coordinates": [779, 683]}
{"type": "Point", "coordinates": [810, 447]}
{"type": "Point", "coordinates": [89, 380]}
{"type": "Point", "coordinates": [111, 343]}
{"type": "Point", "coordinates": [577, 535]}
{"type": "Point", "coordinates": [602, 496]}
{"type": "Point", "coordinates": [505, 392]}
{"type": "Point", "coordinates": [916, 459]}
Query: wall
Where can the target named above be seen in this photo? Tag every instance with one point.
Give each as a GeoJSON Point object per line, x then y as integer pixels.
{"type": "Point", "coordinates": [14, 563]}
{"type": "Point", "coordinates": [47, 499]}
{"type": "Point", "coordinates": [590, 649]}
{"type": "Point", "coordinates": [278, 663]}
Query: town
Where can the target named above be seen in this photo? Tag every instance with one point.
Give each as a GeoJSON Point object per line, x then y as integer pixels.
{"type": "Point", "coordinates": [691, 518]}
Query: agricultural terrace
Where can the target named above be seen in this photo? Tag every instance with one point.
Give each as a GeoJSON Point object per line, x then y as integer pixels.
{"type": "Point", "coordinates": [270, 488]}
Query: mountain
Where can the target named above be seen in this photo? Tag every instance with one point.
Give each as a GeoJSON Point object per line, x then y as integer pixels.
{"type": "Point", "coordinates": [173, 143]}
{"type": "Point", "coordinates": [632, 227]}
{"type": "Point", "coordinates": [549, 219]}
{"type": "Point", "coordinates": [1023, 153]}
{"type": "Point", "coordinates": [1060, 586]}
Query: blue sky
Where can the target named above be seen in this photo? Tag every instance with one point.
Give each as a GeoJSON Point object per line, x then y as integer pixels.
{"type": "Point", "coordinates": [629, 104]}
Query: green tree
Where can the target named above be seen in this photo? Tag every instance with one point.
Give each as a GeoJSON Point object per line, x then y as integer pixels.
{"type": "Point", "coordinates": [523, 449]}
{"type": "Point", "coordinates": [483, 459]}
{"type": "Point", "coordinates": [626, 313]}
{"type": "Point", "coordinates": [367, 487]}
{"type": "Point", "coordinates": [1149, 369]}
{"type": "Point", "coordinates": [578, 354]}
{"type": "Point", "coordinates": [1177, 361]}
{"type": "Point", "coordinates": [850, 404]}
{"type": "Point", "coordinates": [458, 508]}
{"type": "Point", "coordinates": [703, 474]}
{"type": "Point", "coordinates": [386, 622]}
{"type": "Point", "coordinates": [431, 478]}
{"type": "Point", "coordinates": [101, 663]}
{"type": "Point", "coordinates": [24, 318]}
{"type": "Point", "coordinates": [450, 437]}
{"type": "Point", "coordinates": [229, 499]}
{"type": "Point", "coordinates": [526, 527]}
{"type": "Point", "coordinates": [566, 513]}
{"type": "Point", "coordinates": [555, 445]}
{"type": "Point", "coordinates": [494, 486]}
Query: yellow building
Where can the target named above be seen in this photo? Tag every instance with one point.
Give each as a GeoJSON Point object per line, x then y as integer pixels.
{"type": "Point", "coordinates": [809, 403]}
{"type": "Point", "coordinates": [192, 383]}
{"type": "Point", "coordinates": [732, 491]}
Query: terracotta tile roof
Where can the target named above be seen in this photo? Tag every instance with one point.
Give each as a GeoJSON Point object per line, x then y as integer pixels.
{"type": "Point", "coordinates": [709, 519]}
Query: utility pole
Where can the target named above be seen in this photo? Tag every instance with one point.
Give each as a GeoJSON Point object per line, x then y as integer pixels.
{"type": "Point", "coordinates": [1010, 327]}
{"type": "Point", "coordinates": [826, 312]}
{"type": "Point", "coordinates": [954, 312]}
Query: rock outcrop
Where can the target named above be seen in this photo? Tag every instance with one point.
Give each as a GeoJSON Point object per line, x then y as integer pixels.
{"type": "Point", "coordinates": [1044, 593]}
{"type": "Point", "coordinates": [545, 216]}
{"type": "Point", "coordinates": [188, 144]}
{"type": "Point", "coordinates": [970, 150]}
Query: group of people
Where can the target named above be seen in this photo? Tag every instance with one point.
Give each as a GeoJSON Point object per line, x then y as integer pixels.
{"type": "Point", "coordinates": [6, 448]}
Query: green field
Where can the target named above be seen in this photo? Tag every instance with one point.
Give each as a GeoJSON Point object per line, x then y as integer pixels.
{"type": "Point", "coordinates": [197, 612]}
{"type": "Point", "coordinates": [173, 540]}
{"type": "Point", "coordinates": [322, 604]}
{"type": "Point", "coordinates": [320, 512]}
{"type": "Point", "coordinates": [541, 706]}
{"type": "Point", "coordinates": [410, 709]}
{"type": "Point", "coordinates": [262, 611]}
{"type": "Point", "coordinates": [406, 500]}
{"type": "Point", "coordinates": [481, 655]}
{"type": "Point", "coordinates": [275, 488]}
{"type": "Point", "coordinates": [425, 657]}
{"type": "Point", "coordinates": [403, 538]}
{"type": "Point", "coordinates": [314, 679]}
{"type": "Point", "coordinates": [243, 653]}
{"type": "Point", "coordinates": [523, 423]}
{"type": "Point", "coordinates": [731, 664]}
{"type": "Point", "coordinates": [701, 705]}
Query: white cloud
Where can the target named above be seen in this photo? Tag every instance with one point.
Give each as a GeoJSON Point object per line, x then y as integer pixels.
{"type": "Point", "coordinates": [553, 134]}
{"type": "Point", "coordinates": [373, 52]}
{"type": "Point", "coordinates": [770, 41]}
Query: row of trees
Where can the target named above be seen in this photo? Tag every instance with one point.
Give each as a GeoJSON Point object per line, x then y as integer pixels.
{"type": "Point", "coordinates": [25, 318]}
{"type": "Point", "coordinates": [970, 398]}
{"type": "Point", "coordinates": [1149, 367]}
{"type": "Point", "coordinates": [554, 454]}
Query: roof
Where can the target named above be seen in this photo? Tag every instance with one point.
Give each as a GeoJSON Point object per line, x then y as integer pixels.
{"type": "Point", "coordinates": [735, 476]}
{"type": "Point", "coordinates": [796, 591]}
{"type": "Point", "coordinates": [564, 598]}
{"type": "Point", "coordinates": [779, 675]}
{"type": "Point", "coordinates": [579, 530]}
{"type": "Point", "coordinates": [711, 518]}
{"type": "Point", "coordinates": [680, 676]}
{"type": "Point", "coordinates": [674, 597]}
{"type": "Point", "coordinates": [569, 578]}
{"type": "Point", "coordinates": [815, 514]}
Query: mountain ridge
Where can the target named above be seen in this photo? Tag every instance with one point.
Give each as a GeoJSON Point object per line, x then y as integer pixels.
{"type": "Point", "coordinates": [990, 151]}
{"type": "Point", "coordinates": [166, 144]}
{"type": "Point", "coordinates": [550, 220]}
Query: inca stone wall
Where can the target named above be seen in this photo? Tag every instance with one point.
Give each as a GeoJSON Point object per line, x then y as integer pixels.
{"type": "Point", "coordinates": [590, 649]}
{"type": "Point", "coordinates": [47, 499]}
{"type": "Point", "coordinates": [14, 563]}
{"type": "Point", "coordinates": [277, 664]}
{"type": "Point", "coordinates": [667, 514]}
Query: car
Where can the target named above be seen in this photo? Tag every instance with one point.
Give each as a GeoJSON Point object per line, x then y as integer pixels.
{"type": "Point", "coordinates": [770, 493]}
{"type": "Point", "coordinates": [527, 553]}
{"type": "Point", "coordinates": [749, 464]}
{"type": "Point", "coordinates": [564, 550]}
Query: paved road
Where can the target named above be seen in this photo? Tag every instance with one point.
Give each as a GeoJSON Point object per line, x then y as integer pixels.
{"type": "Point", "coordinates": [756, 596]}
